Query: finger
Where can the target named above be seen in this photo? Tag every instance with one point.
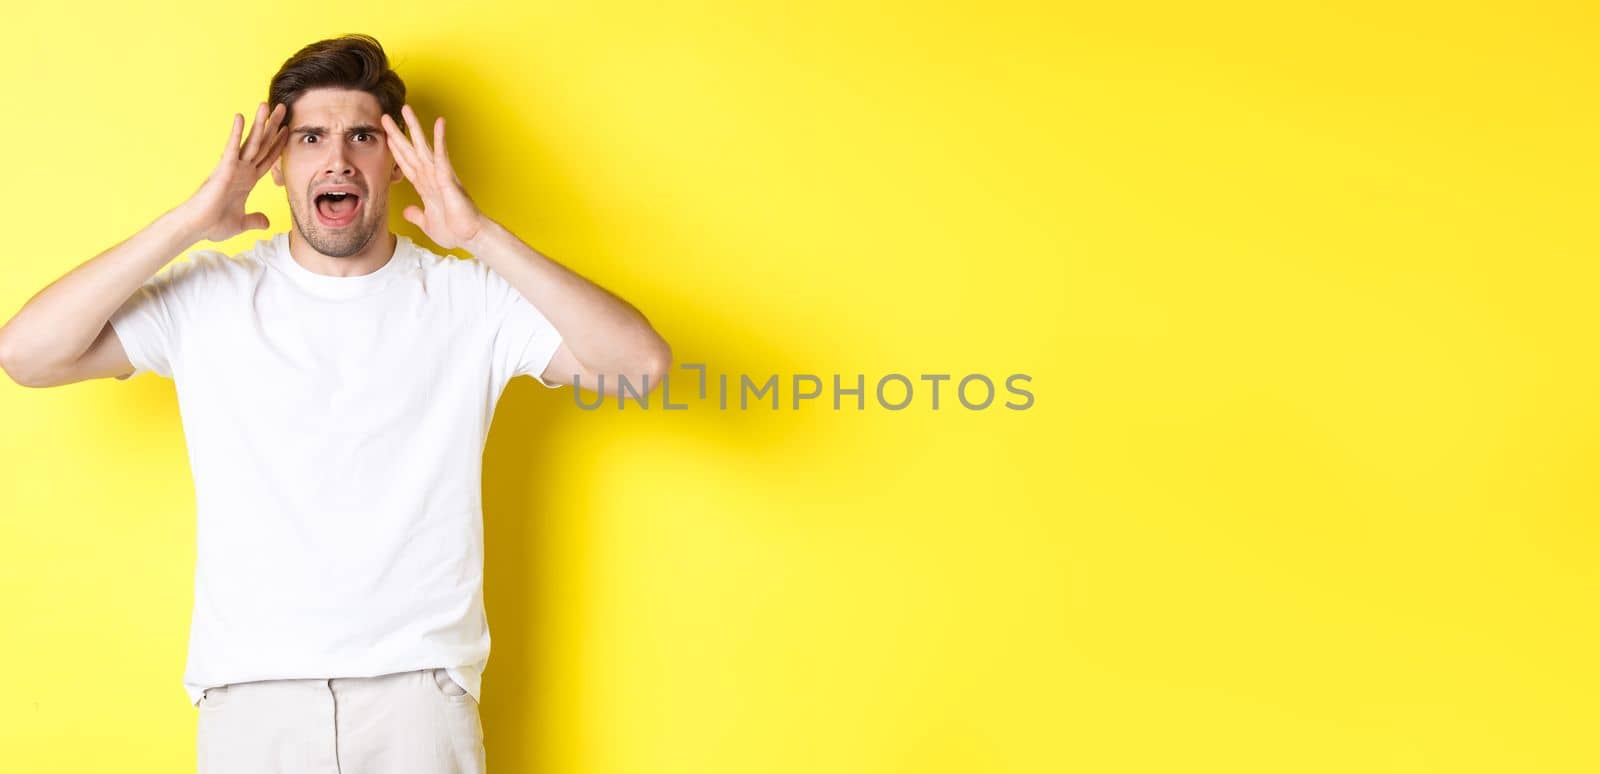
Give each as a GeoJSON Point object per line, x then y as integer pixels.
{"type": "Point", "coordinates": [280, 140]}
{"type": "Point", "coordinates": [229, 150]}
{"type": "Point", "coordinates": [399, 146]}
{"type": "Point", "coordinates": [274, 139]}
{"type": "Point", "coordinates": [448, 170]}
{"type": "Point", "coordinates": [406, 169]}
{"type": "Point", "coordinates": [278, 119]}
{"type": "Point", "coordinates": [254, 138]}
{"type": "Point", "coordinates": [285, 134]}
{"type": "Point", "coordinates": [416, 173]}
{"type": "Point", "coordinates": [443, 153]}
{"type": "Point", "coordinates": [415, 178]}
{"type": "Point", "coordinates": [267, 132]}
{"type": "Point", "coordinates": [418, 138]}
{"type": "Point", "coordinates": [394, 136]}
{"type": "Point", "coordinates": [438, 142]}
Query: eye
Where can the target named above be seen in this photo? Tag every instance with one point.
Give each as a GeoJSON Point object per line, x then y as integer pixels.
{"type": "Point", "coordinates": [305, 137]}
{"type": "Point", "coordinates": [362, 134]}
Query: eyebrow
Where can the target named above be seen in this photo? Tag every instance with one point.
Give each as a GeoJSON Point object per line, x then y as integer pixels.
{"type": "Point", "coordinates": [323, 130]}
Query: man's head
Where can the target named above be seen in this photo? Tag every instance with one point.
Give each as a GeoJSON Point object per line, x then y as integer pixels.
{"type": "Point", "coordinates": [334, 91]}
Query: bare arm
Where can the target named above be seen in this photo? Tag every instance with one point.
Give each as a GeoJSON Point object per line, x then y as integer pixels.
{"type": "Point", "coordinates": [56, 328]}
{"type": "Point", "coordinates": [62, 333]}
{"type": "Point", "coordinates": [602, 334]}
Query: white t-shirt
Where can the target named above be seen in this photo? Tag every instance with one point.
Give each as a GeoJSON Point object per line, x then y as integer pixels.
{"type": "Point", "coordinates": [335, 428]}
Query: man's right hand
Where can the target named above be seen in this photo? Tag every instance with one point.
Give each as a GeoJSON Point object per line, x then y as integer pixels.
{"type": "Point", "coordinates": [216, 211]}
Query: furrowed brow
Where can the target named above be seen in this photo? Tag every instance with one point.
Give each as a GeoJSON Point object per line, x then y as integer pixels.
{"type": "Point", "coordinates": [321, 131]}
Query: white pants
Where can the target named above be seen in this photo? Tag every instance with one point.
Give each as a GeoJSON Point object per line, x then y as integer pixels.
{"type": "Point", "coordinates": [417, 722]}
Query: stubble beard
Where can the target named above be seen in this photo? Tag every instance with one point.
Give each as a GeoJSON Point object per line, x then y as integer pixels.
{"type": "Point", "coordinates": [336, 243]}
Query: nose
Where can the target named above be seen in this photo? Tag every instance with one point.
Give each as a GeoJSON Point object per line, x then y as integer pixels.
{"type": "Point", "coordinates": [337, 164]}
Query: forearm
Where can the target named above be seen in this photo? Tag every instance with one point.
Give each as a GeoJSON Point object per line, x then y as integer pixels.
{"type": "Point", "coordinates": [604, 332]}
{"type": "Point", "coordinates": [59, 323]}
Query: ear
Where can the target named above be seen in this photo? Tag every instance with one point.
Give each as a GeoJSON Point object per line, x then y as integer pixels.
{"type": "Point", "coordinates": [277, 172]}
{"type": "Point", "coordinates": [396, 174]}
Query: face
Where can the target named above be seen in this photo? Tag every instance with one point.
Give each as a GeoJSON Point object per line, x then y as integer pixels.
{"type": "Point", "coordinates": [335, 140]}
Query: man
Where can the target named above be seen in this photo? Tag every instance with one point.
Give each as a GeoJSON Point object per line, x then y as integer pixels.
{"type": "Point", "coordinates": [336, 385]}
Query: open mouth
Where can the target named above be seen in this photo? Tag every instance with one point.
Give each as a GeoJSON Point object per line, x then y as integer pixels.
{"type": "Point", "coordinates": [336, 210]}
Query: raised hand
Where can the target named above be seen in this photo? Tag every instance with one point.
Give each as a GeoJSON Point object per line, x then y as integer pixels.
{"type": "Point", "coordinates": [217, 209]}
{"type": "Point", "coordinates": [447, 215]}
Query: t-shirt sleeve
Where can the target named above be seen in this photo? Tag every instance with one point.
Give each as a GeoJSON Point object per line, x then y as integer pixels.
{"type": "Point", "coordinates": [524, 340]}
{"type": "Point", "coordinates": [151, 322]}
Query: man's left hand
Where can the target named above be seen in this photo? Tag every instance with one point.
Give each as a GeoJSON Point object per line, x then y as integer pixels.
{"type": "Point", "coordinates": [447, 215]}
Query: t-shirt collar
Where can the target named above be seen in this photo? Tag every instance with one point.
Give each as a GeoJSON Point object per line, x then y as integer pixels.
{"type": "Point", "coordinates": [327, 286]}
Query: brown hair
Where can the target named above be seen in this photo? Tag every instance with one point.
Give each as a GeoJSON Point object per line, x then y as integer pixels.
{"type": "Point", "coordinates": [352, 61]}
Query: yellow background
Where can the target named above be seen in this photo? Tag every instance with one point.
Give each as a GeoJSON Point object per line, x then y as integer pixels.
{"type": "Point", "coordinates": [1306, 291]}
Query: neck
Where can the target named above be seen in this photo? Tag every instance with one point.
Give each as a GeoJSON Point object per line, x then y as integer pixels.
{"type": "Point", "coordinates": [371, 258]}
